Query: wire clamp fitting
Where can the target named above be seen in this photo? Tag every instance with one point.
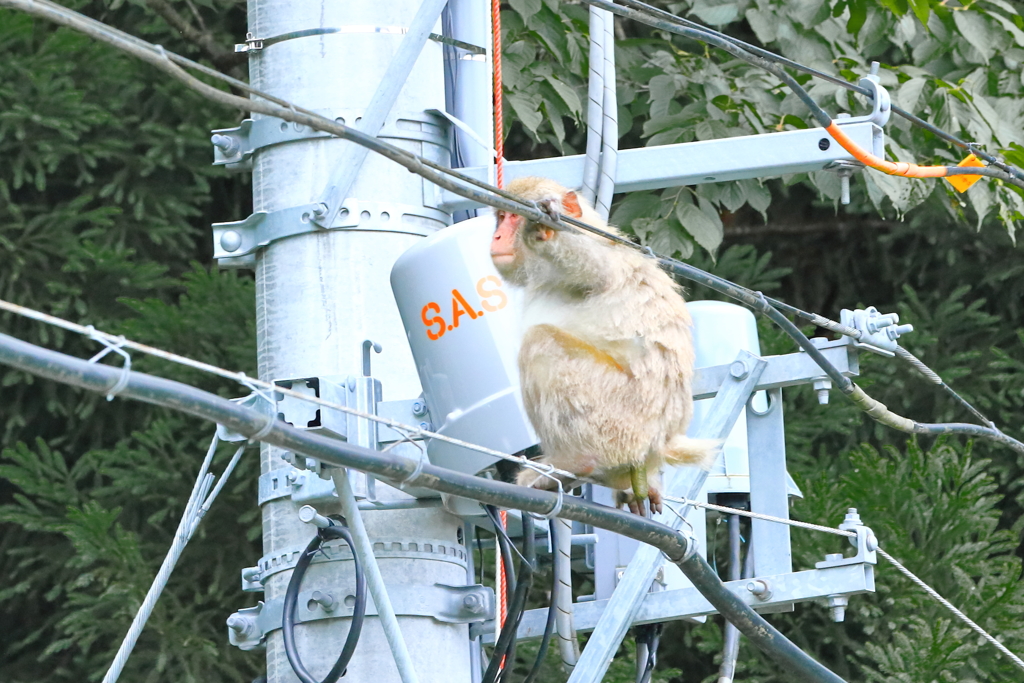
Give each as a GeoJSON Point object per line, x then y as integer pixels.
{"type": "Point", "coordinates": [116, 347]}
{"type": "Point", "coordinates": [251, 44]}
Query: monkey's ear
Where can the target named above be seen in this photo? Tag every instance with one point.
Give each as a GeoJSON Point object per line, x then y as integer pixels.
{"type": "Point", "coordinates": [571, 204]}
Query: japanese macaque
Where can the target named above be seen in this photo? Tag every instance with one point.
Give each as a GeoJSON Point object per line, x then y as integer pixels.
{"type": "Point", "coordinates": [606, 362]}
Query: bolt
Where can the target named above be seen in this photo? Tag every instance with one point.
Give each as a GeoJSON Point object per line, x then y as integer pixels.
{"type": "Point", "coordinates": [320, 211]}
{"type": "Point", "coordinates": [837, 605]}
{"type": "Point", "coordinates": [419, 408]}
{"type": "Point", "coordinates": [844, 189]}
{"type": "Point", "coordinates": [309, 515]}
{"type": "Point", "coordinates": [251, 574]}
{"type": "Point", "coordinates": [760, 589]}
{"type": "Point", "coordinates": [425, 426]}
{"type": "Point", "coordinates": [225, 143]}
{"type": "Point", "coordinates": [834, 557]}
{"type": "Point", "coordinates": [325, 600]}
{"type": "Point", "coordinates": [738, 369]}
{"type": "Point", "coordinates": [230, 241]}
{"type": "Point", "coordinates": [239, 624]}
{"type": "Point", "coordinates": [473, 603]}
{"type": "Point", "coordinates": [821, 388]}
{"type": "Point", "coordinates": [894, 332]}
{"type": "Point", "coordinates": [852, 517]}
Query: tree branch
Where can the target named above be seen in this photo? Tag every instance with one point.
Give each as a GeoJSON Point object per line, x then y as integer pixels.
{"type": "Point", "coordinates": [222, 59]}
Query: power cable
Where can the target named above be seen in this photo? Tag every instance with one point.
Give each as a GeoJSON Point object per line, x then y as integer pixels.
{"type": "Point", "coordinates": [291, 597]}
{"type": "Point", "coordinates": [501, 662]}
{"type": "Point", "coordinates": [852, 534]}
{"type": "Point", "coordinates": [901, 168]}
{"type": "Point", "coordinates": [778, 59]}
{"type": "Point", "coordinates": [549, 625]}
{"type": "Point", "coordinates": [677, 546]}
{"type": "Point", "coordinates": [457, 182]}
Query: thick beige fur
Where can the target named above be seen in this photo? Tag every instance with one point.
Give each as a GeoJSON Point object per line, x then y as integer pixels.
{"type": "Point", "coordinates": [606, 362]}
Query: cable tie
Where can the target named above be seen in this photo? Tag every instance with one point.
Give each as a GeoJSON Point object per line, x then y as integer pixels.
{"type": "Point", "coordinates": [115, 346]}
{"type": "Point", "coordinates": [556, 509]}
{"type": "Point", "coordinates": [416, 472]}
{"type": "Point", "coordinates": [266, 429]}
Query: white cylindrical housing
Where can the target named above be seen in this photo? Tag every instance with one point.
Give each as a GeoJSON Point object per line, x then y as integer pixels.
{"type": "Point", "coordinates": [463, 328]}
{"type": "Point", "coordinates": [722, 330]}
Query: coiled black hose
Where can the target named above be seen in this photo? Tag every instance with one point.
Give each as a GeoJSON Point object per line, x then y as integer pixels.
{"type": "Point", "coordinates": [291, 598]}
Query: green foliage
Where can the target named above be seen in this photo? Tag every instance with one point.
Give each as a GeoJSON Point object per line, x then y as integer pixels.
{"type": "Point", "coordinates": [935, 511]}
{"type": "Point", "coordinates": [106, 195]}
{"type": "Point", "coordinates": [958, 67]}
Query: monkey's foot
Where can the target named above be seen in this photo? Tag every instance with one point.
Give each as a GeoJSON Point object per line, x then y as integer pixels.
{"type": "Point", "coordinates": [655, 500]}
{"type": "Point", "coordinates": [635, 505]}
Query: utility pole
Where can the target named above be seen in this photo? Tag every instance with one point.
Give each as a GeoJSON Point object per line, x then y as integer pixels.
{"type": "Point", "coordinates": [321, 293]}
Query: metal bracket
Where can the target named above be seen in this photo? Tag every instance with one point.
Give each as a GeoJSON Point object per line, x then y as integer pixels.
{"type": "Point", "coordinates": [248, 627]}
{"type": "Point", "coordinates": [235, 243]}
{"type": "Point", "coordinates": [254, 44]}
{"type": "Point", "coordinates": [234, 147]}
{"type": "Point", "coordinates": [253, 578]}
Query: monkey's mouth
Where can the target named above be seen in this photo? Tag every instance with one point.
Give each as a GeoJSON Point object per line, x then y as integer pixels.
{"type": "Point", "coordinates": [502, 258]}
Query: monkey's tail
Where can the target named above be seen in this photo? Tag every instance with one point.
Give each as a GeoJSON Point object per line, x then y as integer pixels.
{"type": "Point", "coordinates": [682, 450]}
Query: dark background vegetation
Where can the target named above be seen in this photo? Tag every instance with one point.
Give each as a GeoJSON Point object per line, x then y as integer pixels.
{"type": "Point", "coordinates": [107, 193]}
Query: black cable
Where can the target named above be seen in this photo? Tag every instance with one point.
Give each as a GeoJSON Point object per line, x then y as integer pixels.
{"type": "Point", "coordinates": [649, 634]}
{"type": "Point", "coordinates": [504, 645]}
{"type": "Point", "coordinates": [549, 625]}
{"type": "Point", "coordinates": [291, 598]}
{"type": "Point", "coordinates": [255, 425]}
{"type": "Point", "coordinates": [529, 561]}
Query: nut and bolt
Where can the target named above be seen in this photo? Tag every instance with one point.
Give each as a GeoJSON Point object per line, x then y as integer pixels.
{"type": "Point", "coordinates": [419, 408]}
{"type": "Point", "coordinates": [760, 589]}
{"type": "Point", "coordinates": [225, 143]}
{"type": "Point", "coordinates": [473, 603]}
{"type": "Point", "coordinates": [739, 369]}
{"type": "Point", "coordinates": [241, 625]}
{"type": "Point", "coordinates": [837, 605]}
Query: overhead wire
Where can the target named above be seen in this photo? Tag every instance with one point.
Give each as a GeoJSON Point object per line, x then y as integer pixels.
{"type": "Point", "coordinates": [901, 168]}
{"type": "Point", "coordinates": [971, 147]}
{"type": "Point", "coordinates": [163, 60]}
{"type": "Point", "coordinates": [500, 199]}
{"type": "Point", "coordinates": [852, 534]}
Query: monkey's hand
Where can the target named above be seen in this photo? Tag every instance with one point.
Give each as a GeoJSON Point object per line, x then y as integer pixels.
{"type": "Point", "coordinates": [552, 206]}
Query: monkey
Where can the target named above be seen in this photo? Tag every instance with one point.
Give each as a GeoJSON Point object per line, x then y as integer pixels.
{"type": "Point", "coordinates": [606, 360]}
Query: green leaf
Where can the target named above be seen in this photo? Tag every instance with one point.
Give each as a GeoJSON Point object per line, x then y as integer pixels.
{"type": "Point", "coordinates": [858, 15]}
{"type": "Point", "coordinates": [922, 10]}
{"type": "Point", "coordinates": [526, 8]}
{"type": "Point", "coordinates": [703, 223]}
{"type": "Point", "coordinates": [977, 31]}
{"type": "Point", "coordinates": [568, 95]}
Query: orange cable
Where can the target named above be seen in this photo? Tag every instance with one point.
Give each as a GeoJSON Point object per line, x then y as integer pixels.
{"type": "Point", "coordinates": [900, 168]}
{"type": "Point", "coordinates": [499, 578]}
{"type": "Point", "coordinates": [499, 132]}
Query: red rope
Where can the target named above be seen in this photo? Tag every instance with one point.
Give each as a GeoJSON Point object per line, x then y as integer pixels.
{"type": "Point", "coordinates": [499, 132]}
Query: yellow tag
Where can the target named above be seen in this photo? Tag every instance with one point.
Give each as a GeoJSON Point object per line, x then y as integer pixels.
{"type": "Point", "coordinates": [962, 183]}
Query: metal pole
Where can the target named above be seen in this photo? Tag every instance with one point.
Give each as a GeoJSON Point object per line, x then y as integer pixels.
{"type": "Point", "coordinates": [320, 294]}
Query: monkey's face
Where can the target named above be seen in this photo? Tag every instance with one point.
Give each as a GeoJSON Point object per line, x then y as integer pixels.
{"type": "Point", "coordinates": [512, 237]}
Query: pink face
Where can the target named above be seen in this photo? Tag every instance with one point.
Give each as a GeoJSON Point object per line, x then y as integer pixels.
{"type": "Point", "coordinates": [503, 245]}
